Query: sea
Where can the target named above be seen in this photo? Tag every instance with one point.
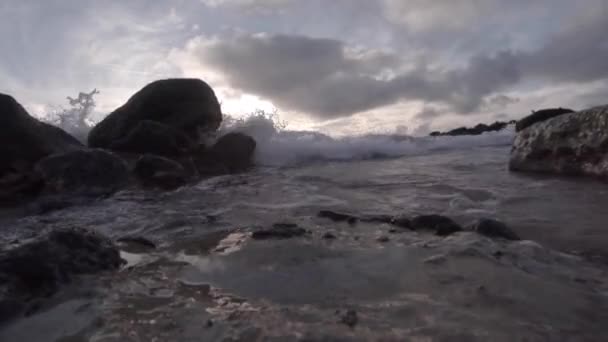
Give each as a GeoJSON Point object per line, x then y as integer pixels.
{"type": "Point", "coordinates": [208, 280]}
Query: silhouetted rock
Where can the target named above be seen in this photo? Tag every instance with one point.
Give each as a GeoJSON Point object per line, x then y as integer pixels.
{"type": "Point", "coordinates": [477, 130]}
{"type": "Point", "coordinates": [154, 138]}
{"type": "Point", "coordinates": [39, 268]}
{"type": "Point", "coordinates": [92, 172]}
{"type": "Point", "coordinates": [234, 151]}
{"type": "Point", "coordinates": [25, 140]}
{"type": "Point", "coordinates": [572, 144]}
{"type": "Point", "coordinates": [540, 116]}
{"type": "Point", "coordinates": [187, 105]}
{"type": "Point", "coordinates": [494, 229]}
{"type": "Point", "coordinates": [159, 172]}
{"type": "Point", "coordinates": [441, 225]}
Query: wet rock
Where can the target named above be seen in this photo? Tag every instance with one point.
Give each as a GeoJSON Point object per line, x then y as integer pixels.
{"type": "Point", "coordinates": [442, 225]}
{"type": "Point", "coordinates": [377, 219]}
{"type": "Point", "coordinates": [329, 236]}
{"type": "Point", "coordinates": [494, 229]}
{"type": "Point", "coordinates": [540, 116]}
{"type": "Point", "coordinates": [160, 172]}
{"type": "Point", "coordinates": [39, 268]}
{"type": "Point", "coordinates": [154, 138]}
{"type": "Point", "coordinates": [137, 241]}
{"type": "Point", "coordinates": [187, 105]}
{"type": "Point", "coordinates": [83, 171]}
{"type": "Point", "coordinates": [383, 239]}
{"type": "Point", "coordinates": [337, 217]}
{"type": "Point", "coordinates": [402, 222]}
{"type": "Point", "coordinates": [574, 144]}
{"type": "Point", "coordinates": [350, 318]}
{"type": "Point", "coordinates": [279, 231]}
{"type": "Point", "coordinates": [25, 140]}
{"type": "Point", "coordinates": [234, 151]}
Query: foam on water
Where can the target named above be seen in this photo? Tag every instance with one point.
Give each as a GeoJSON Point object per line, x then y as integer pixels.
{"type": "Point", "coordinates": [277, 146]}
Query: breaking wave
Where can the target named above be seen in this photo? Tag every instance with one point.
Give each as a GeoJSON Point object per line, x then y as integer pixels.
{"type": "Point", "coordinates": [277, 146]}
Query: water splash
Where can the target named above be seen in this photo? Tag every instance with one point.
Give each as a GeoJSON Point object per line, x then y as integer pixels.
{"type": "Point", "coordinates": [75, 119]}
{"type": "Point", "coordinates": [277, 146]}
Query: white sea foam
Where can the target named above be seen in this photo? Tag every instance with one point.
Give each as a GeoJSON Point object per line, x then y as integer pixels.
{"type": "Point", "coordinates": [277, 146]}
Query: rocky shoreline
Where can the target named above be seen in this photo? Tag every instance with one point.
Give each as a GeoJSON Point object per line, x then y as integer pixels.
{"type": "Point", "coordinates": [163, 137]}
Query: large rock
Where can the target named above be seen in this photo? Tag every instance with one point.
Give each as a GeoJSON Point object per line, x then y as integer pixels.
{"type": "Point", "coordinates": [569, 144]}
{"type": "Point", "coordinates": [155, 138]}
{"type": "Point", "coordinates": [39, 268]}
{"type": "Point", "coordinates": [24, 140]}
{"type": "Point", "coordinates": [187, 105]}
{"type": "Point", "coordinates": [92, 171]}
{"type": "Point", "coordinates": [159, 172]}
{"type": "Point", "coordinates": [540, 116]}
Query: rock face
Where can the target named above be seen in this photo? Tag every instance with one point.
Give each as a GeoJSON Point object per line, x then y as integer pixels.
{"type": "Point", "coordinates": [92, 171]}
{"type": "Point", "coordinates": [569, 144]}
{"type": "Point", "coordinates": [153, 137]}
{"type": "Point", "coordinates": [38, 269]}
{"type": "Point", "coordinates": [231, 153]}
{"type": "Point", "coordinates": [187, 105]}
{"type": "Point", "coordinates": [539, 116]}
{"type": "Point", "coordinates": [159, 172]}
{"type": "Point", "coordinates": [24, 140]}
{"type": "Point", "coordinates": [441, 225]}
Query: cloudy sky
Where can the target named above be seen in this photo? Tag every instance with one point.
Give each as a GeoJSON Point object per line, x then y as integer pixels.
{"type": "Point", "coordinates": [340, 66]}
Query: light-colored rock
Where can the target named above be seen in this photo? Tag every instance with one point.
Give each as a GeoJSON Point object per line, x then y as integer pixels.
{"type": "Point", "coordinates": [570, 144]}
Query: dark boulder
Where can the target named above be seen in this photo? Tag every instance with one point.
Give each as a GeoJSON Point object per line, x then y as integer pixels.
{"type": "Point", "coordinates": [187, 105]}
{"type": "Point", "coordinates": [25, 140]}
{"type": "Point", "coordinates": [93, 172]}
{"type": "Point", "coordinates": [494, 229]}
{"type": "Point", "coordinates": [574, 144]}
{"type": "Point", "coordinates": [234, 151]}
{"type": "Point", "coordinates": [159, 172]}
{"type": "Point", "coordinates": [39, 268]}
{"type": "Point", "coordinates": [155, 138]}
{"type": "Point", "coordinates": [539, 116]}
{"type": "Point", "coordinates": [441, 225]}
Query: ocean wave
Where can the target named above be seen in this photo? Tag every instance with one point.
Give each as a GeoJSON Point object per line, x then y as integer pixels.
{"type": "Point", "coordinates": [279, 147]}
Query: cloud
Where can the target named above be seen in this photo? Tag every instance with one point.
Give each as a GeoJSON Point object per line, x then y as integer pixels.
{"type": "Point", "coordinates": [327, 78]}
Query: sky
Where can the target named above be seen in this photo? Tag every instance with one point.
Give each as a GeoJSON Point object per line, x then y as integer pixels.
{"type": "Point", "coordinates": [337, 66]}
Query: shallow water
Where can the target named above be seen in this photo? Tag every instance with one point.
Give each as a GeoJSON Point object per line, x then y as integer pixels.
{"type": "Point", "coordinates": [208, 280]}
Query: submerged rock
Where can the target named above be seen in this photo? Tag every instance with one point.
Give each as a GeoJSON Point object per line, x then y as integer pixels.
{"type": "Point", "coordinates": [441, 225]}
{"type": "Point", "coordinates": [572, 144]}
{"type": "Point", "coordinates": [494, 229]}
{"type": "Point", "coordinates": [39, 268]}
{"type": "Point", "coordinates": [187, 105]}
{"type": "Point", "coordinates": [159, 172]}
{"type": "Point", "coordinates": [337, 217]}
{"type": "Point", "coordinates": [84, 172]}
{"type": "Point", "coordinates": [279, 231]}
{"type": "Point", "coordinates": [540, 116]}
